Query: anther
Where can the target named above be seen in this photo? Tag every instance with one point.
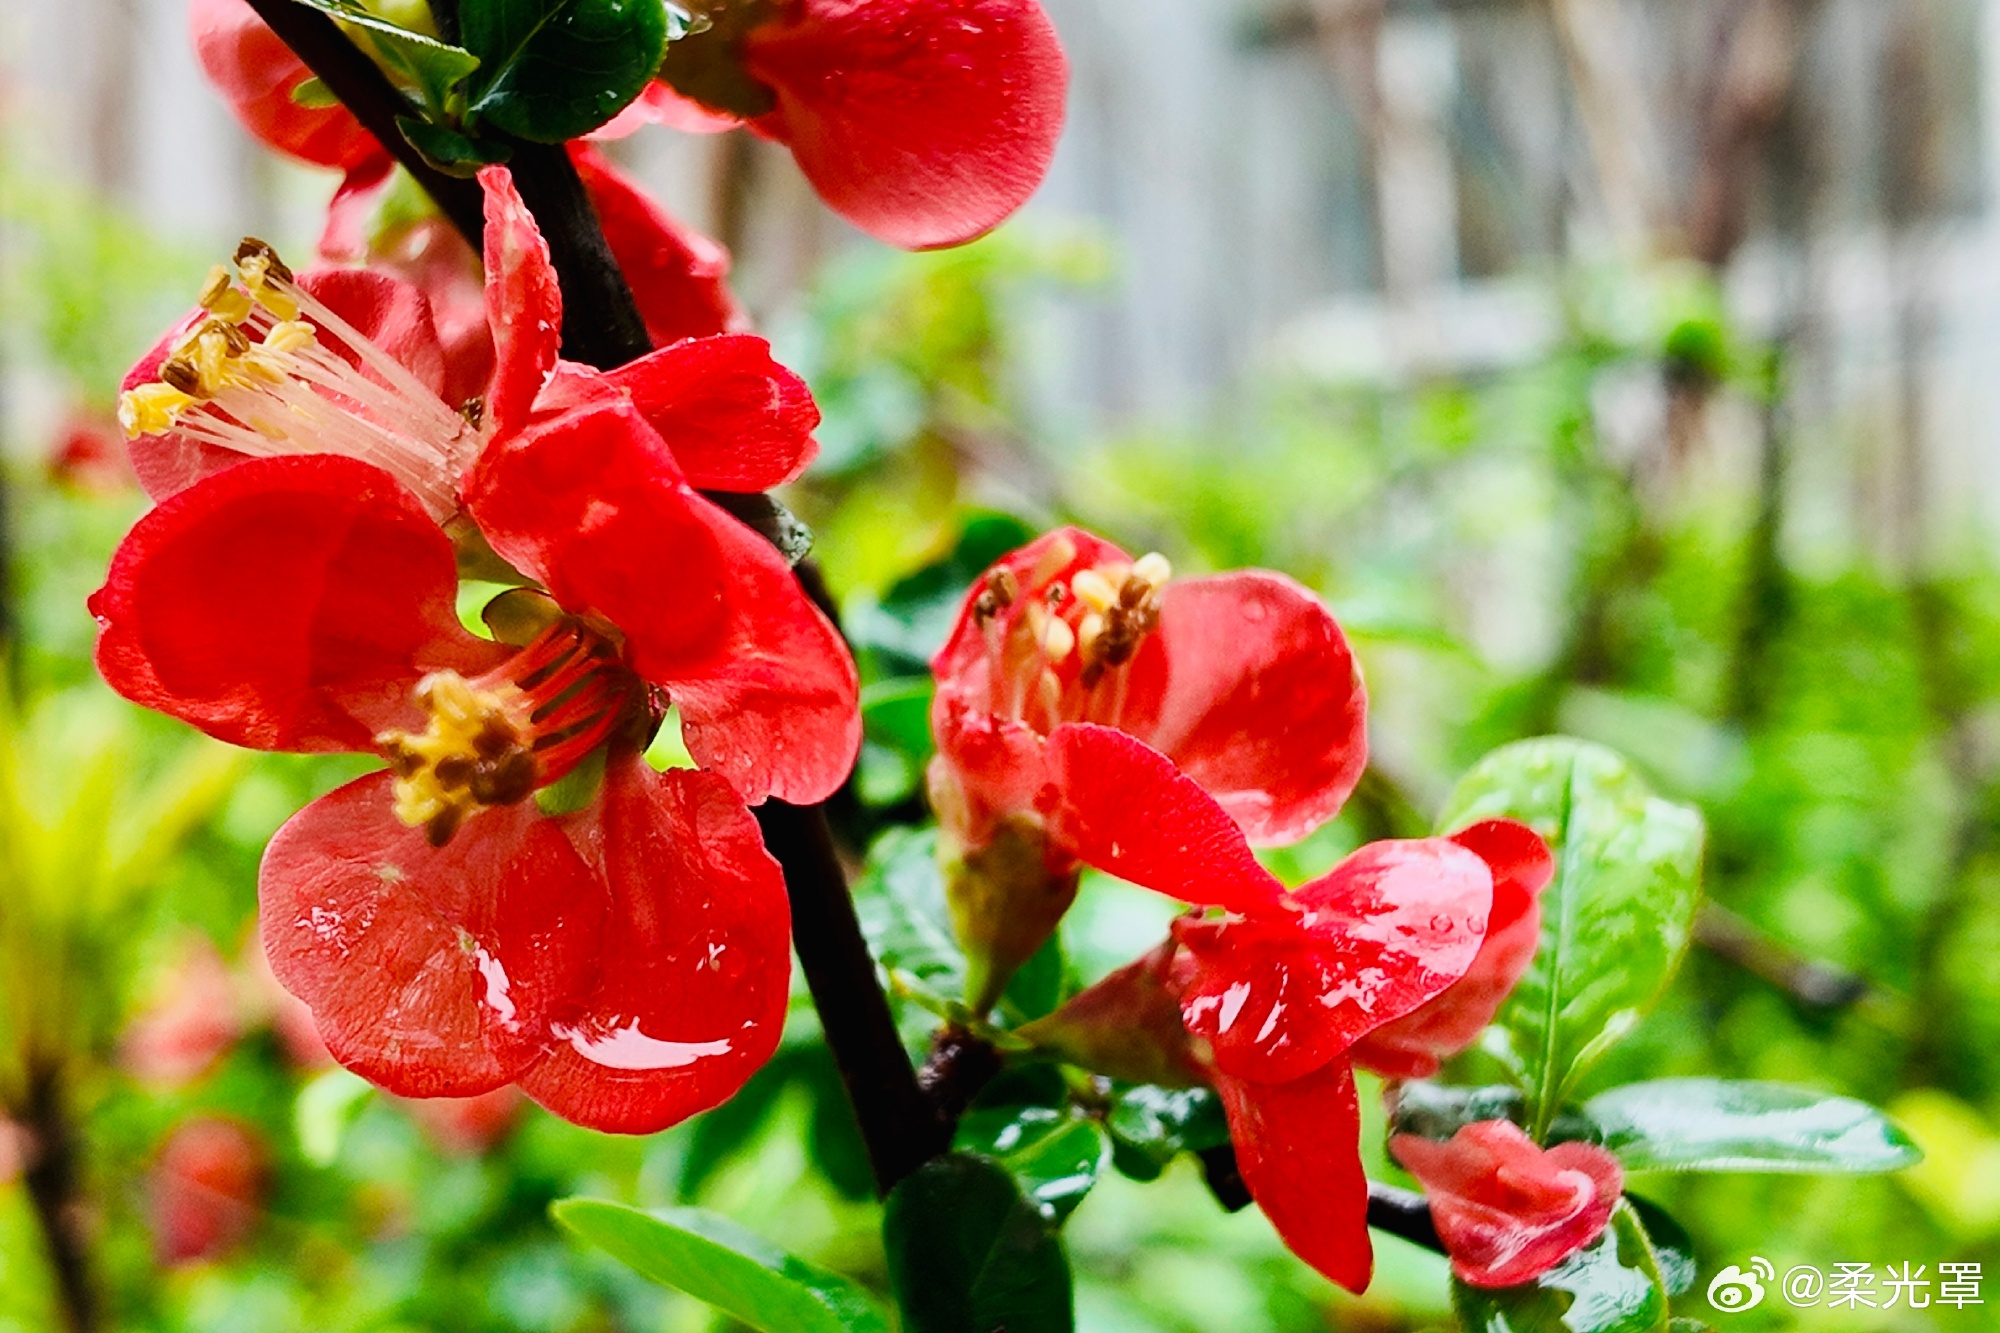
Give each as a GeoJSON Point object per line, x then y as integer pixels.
{"type": "Point", "coordinates": [258, 257]}
{"type": "Point", "coordinates": [1058, 639]}
{"type": "Point", "coordinates": [176, 373]}
{"type": "Point", "coordinates": [1094, 590]}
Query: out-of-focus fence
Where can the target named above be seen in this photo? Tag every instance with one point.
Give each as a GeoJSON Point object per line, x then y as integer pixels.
{"type": "Point", "coordinates": [1363, 189]}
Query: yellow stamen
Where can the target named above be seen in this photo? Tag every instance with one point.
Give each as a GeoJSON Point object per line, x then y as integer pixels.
{"type": "Point", "coordinates": [471, 756]}
{"type": "Point", "coordinates": [1058, 639]}
{"type": "Point", "coordinates": [1094, 590]}
{"type": "Point", "coordinates": [149, 409]}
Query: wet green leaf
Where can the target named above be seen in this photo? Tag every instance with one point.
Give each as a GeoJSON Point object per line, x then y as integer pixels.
{"type": "Point", "coordinates": [1712, 1124]}
{"type": "Point", "coordinates": [900, 898]}
{"type": "Point", "coordinates": [552, 70]}
{"type": "Point", "coordinates": [969, 1253]}
{"type": "Point", "coordinates": [449, 151]}
{"type": "Point", "coordinates": [434, 67]}
{"type": "Point", "coordinates": [1150, 1126]}
{"type": "Point", "coordinates": [1611, 1286]}
{"type": "Point", "coordinates": [1055, 1154]}
{"type": "Point", "coordinates": [1616, 918]}
{"type": "Point", "coordinates": [1673, 1248]}
{"type": "Point", "coordinates": [714, 1260]}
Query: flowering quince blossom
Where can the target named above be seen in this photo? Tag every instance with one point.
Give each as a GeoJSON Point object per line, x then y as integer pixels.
{"type": "Point", "coordinates": [206, 1189]}
{"type": "Point", "coordinates": [626, 964]}
{"type": "Point", "coordinates": [1278, 993]}
{"type": "Point", "coordinates": [1242, 681]}
{"type": "Point", "coordinates": [1507, 1209]}
{"type": "Point", "coordinates": [923, 122]}
{"type": "Point", "coordinates": [676, 274]}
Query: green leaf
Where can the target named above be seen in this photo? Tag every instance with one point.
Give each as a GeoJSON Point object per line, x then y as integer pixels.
{"type": "Point", "coordinates": [1673, 1248]}
{"type": "Point", "coordinates": [313, 94]}
{"type": "Point", "coordinates": [969, 1254]}
{"type": "Point", "coordinates": [449, 151]}
{"type": "Point", "coordinates": [552, 70]}
{"type": "Point", "coordinates": [898, 634]}
{"type": "Point", "coordinates": [1616, 918]}
{"type": "Point", "coordinates": [896, 726]}
{"type": "Point", "coordinates": [1150, 1126]}
{"type": "Point", "coordinates": [714, 1260]}
{"type": "Point", "coordinates": [900, 898]}
{"type": "Point", "coordinates": [435, 67]}
{"type": "Point", "coordinates": [1055, 1154]}
{"type": "Point", "coordinates": [1036, 989]}
{"type": "Point", "coordinates": [1611, 1286]}
{"type": "Point", "coordinates": [1712, 1124]}
{"type": "Point", "coordinates": [325, 1108]}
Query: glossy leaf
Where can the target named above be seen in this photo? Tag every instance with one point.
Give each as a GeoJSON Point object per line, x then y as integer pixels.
{"type": "Point", "coordinates": [1673, 1248]}
{"type": "Point", "coordinates": [449, 151]}
{"type": "Point", "coordinates": [1616, 919]}
{"type": "Point", "coordinates": [435, 67]}
{"type": "Point", "coordinates": [969, 1253]}
{"type": "Point", "coordinates": [900, 898]}
{"type": "Point", "coordinates": [736, 1271]}
{"type": "Point", "coordinates": [1150, 1126]}
{"type": "Point", "coordinates": [1611, 1286]}
{"type": "Point", "coordinates": [553, 70]}
{"type": "Point", "coordinates": [897, 635]}
{"type": "Point", "coordinates": [1712, 1124]}
{"type": "Point", "coordinates": [896, 731]}
{"type": "Point", "coordinates": [1055, 1154]}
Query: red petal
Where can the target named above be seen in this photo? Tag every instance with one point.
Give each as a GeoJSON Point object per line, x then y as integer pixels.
{"type": "Point", "coordinates": [206, 1190]}
{"type": "Point", "coordinates": [1250, 687]}
{"type": "Point", "coordinates": [661, 105]}
{"type": "Point", "coordinates": [1507, 1210]}
{"type": "Point", "coordinates": [256, 73]}
{"type": "Point", "coordinates": [523, 303]}
{"type": "Point", "coordinates": [1280, 994]}
{"type": "Point", "coordinates": [591, 503]}
{"type": "Point", "coordinates": [1124, 808]}
{"type": "Point", "coordinates": [433, 972]}
{"type": "Point", "coordinates": [1413, 1046]}
{"type": "Point", "coordinates": [344, 238]}
{"type": "Point", "coordinates": [677, 275]}
{"type": "Point", "coordinates": [1298, 1145]}
{"type": "Point", "coordinates": [391, 313]}
{"type": "Point", "coordinates": [923, 122]}
{"type": "Point", "coordinates": [696, 963]}
{"type": "Point", "coordinates": [284, 604]}
{"type": "Point", "coordinates": [986, 769]}
{"type": "Point", "coordinates": [735, 419]}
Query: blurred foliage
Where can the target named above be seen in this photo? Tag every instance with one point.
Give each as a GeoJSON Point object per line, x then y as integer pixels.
{"type": "Point", "coordinates": [1506, 568]}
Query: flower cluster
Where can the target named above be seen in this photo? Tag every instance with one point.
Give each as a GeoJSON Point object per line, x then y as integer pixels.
{"type": "Point", "coordinates": [1092, 711]}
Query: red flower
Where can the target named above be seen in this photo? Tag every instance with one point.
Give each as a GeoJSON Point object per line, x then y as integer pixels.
{"type": "Point", "coordinates": [626, 965]}
{"type": "Point", "coordinates": [193, 1023]}
{"type": "Point", "coordinates": [923, 122]}
{"type": "Point", "coordinates": [1274, 989]}
{"type": "Point", "coordinates": [1506, 1209]}
{"type": "Point", "coordinates": [206, 1189]}
{"type": "Point", "coordinates": [1416, 1044]}
{"type": "Point", "coordinates": [1241, 680]}
{"type": "Point", "coordinates": [676, 274]}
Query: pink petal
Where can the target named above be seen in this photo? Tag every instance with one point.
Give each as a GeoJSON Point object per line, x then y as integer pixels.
{"type": "Point", "coordinates": [432, 972]}
{"type": "Point", "coordinates": [696, 962]}
{"type": "Point", "coordinates": [256, 73]}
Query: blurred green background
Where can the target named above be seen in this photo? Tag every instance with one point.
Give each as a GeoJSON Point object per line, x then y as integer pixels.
{"type": "Point", "coordinates": [1507, 564]}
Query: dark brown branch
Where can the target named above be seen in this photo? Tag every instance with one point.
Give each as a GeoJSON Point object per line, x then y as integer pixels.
{"type": "Point", "coordinates": [1402, 1213]}
{"type": "Point", "coordinates": [1815, 985]}
{"type": "Point", "coordinates": [353, 78]}
{"type": "Point", "coordinates": [54, 1191]}
{"type": "Point", "coordinates": [898, 1125]}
